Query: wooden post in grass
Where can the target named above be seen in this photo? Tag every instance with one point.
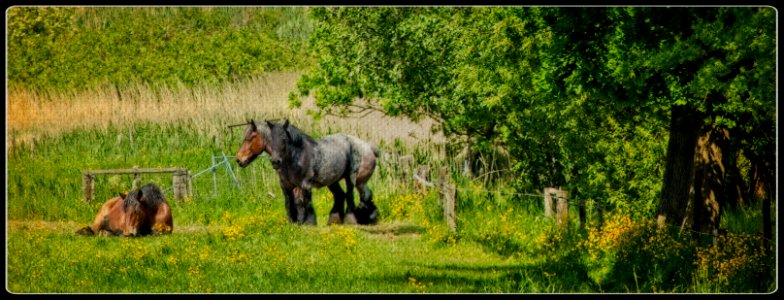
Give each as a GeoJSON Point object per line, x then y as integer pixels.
{"type": "Point", "coordinates": [555, 204]}
{"type": "Point", "coordinates": [449, 193]}
{"type": "Point", "coordinates": [180, 185]}
{"type": "Point", "coordinates": [190, 183]}
{"type": "Point", "coordinates": [549, 204]}
{"type": "Point", "coordinates": [562, 208]}
{"type": "Point", "coordinates": [88, 186]}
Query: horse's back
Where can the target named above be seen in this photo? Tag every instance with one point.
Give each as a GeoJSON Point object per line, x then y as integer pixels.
{"type": "Point", "coordinates": [331, 159]}
{"type": "Point", "coordinates": [362, 157]}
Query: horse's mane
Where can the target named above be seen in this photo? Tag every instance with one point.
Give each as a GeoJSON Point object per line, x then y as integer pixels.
{"type": "Point", "coordinates": [263, 130]}
{"type": "Point", "coordinates": [297, 136]}
{"type": "Point", "coordinates": [151, 193]}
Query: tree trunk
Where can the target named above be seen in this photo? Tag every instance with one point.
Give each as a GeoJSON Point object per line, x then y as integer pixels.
{"type": "Point", "coordinates": [763, 187]}
{"type": "Point", "coordinates": [679, 166]}
{"type": "Point", "coordinates": [709, 180]}
{"type": "Point", "coordinates": [735, 187]}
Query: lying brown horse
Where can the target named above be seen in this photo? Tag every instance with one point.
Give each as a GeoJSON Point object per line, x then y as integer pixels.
{"type": "Point", "coordinates": [141, 212]}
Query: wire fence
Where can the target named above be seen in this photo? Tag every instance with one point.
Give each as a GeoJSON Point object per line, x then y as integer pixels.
{"type": "Point", "coordinates": [582, 203]}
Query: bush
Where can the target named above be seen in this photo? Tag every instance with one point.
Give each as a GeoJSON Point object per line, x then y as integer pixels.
{"type": "Point", "coordinates": [66, 48]}
{"type": "Point", "coordinates": [638, 256]}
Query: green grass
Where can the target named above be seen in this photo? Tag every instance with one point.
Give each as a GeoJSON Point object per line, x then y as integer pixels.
{"type": "Point", "coordinates": [269, 256]}
{"type": "Point", "coordinates": [238, 240]}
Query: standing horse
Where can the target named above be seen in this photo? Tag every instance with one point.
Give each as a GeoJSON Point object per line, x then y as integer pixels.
{"type": "Point", "coordinates": [143, 211]}
{"type": "Point", "coordinates": [324, 163]}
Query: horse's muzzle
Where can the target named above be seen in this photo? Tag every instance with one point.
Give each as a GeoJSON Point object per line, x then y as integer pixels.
{"type": "Point", "coordinates": [242, 163]}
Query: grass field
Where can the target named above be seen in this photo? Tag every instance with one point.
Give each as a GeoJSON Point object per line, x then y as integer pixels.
{"type": "Point", "coordinates": [230, 239]}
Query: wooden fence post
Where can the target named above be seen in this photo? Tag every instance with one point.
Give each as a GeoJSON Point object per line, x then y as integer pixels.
{"type": "Point", "coordinates": [179, 184]}
{"type": "Point", "coordinates": [549, 194]}
{"type": "Point", "coordinates": [562, 208]}
{"type": "Point", "coordinates": [555, 204]}
{"type": "Point", "coordinates": [449, 193]}
{"type": "Point", "coordinates": [190, 183]}
{"type": "Point", "coordinates": [88, 186]}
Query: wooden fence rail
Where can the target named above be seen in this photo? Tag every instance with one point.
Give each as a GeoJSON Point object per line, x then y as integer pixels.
{"type": "Point", "coordinates": [181, 180]}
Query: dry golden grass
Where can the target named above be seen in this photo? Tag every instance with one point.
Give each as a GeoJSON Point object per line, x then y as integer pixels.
{"type": "Point", "coordinates": [31, 115]}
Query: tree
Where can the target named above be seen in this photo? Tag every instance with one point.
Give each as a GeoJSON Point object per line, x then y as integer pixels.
{"type": "Point", "coordinates": [711, 69]}
{"type": "Point", "coordinates": [571, 91]}
{"type": "Point", "coordinates": [401, 61]}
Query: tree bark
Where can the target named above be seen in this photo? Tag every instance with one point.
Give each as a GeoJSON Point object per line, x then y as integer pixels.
{"type": "Point", "coordinates": [709, 180]}
{"type": "Point", "coordinates": [763, 187]}
{"type": "Point", "coordinates": [679, 166]}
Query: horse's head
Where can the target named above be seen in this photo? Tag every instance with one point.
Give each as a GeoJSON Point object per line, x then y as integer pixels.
{"type": "Point", "coordinates": [278, 143]}
{"type": "Point", "coordinates": [135, 211]}
{"type": "Point", "coordinates": [255, 142]}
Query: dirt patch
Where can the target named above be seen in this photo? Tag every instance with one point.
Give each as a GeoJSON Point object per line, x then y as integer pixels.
{"type": "Point", "coordinates": [393, 231]}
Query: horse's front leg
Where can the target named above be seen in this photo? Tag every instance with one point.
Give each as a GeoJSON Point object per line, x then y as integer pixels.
{"type": "Point", "coordinates": [304, 206]}
{"type": "Point", "coordinates": [291, 211]}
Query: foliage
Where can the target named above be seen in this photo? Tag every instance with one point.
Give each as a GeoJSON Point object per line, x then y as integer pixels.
{"type": "Point", "coordinates": [736, 262]}
{"type": "Point", "coordinates": [402, 61]}
{"type": "Point", "coordinates": [584, 94]}
{"type": "Point", "coordinates": [623, 251]}
{"type": "Point", "coordinates": [67, 48]}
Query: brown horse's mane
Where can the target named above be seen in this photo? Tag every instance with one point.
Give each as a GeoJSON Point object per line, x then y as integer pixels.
{"type": "Point", "coordinates": [152, 195]}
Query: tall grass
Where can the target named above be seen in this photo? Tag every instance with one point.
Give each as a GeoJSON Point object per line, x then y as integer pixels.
{"type": "Point", "coordinates": [206, 109]}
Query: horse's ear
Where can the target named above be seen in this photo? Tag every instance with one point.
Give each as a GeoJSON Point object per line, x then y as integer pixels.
{"type": "Point", "coordinates": [139, 196]}
{"type": "Point", "coordinates": [269, 123]}
{"type": "Point", "coordinates": [288, 133]}
{"type": "Point", "coordinates": [122, 195]}
{"type": "Point", "coordinates": [252, 124]}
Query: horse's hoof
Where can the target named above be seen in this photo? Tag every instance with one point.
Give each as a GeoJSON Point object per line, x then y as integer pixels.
{"type": "Point", "coordinates": [366, 213]}
{"type": "Point", "coordinates": [350, 219]}
{"type": "Point", "coordinates": [334, 218]}
{"type": "Point", "coordinates": [373, 218]}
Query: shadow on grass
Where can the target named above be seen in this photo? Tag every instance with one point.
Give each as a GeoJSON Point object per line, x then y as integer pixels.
{"type": "Point", "coordinates": [393, 229]}
{"type": "Point", "coordinates": [534, 278]}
